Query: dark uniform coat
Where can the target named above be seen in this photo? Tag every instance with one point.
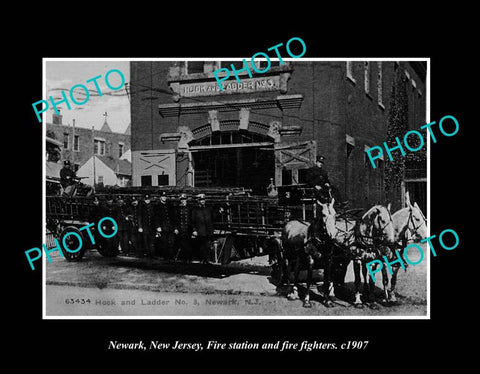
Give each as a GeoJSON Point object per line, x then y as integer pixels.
{"type": "Point", "coordinates": [135, 237]}
{"type": "Point", "coordinates": [67, 177]}
{"type": "Point", "coordinates": [147, 216]}
{"type": "Point", "coordinates": [317, 176]}
{"type": "Point", "coordinates": [148, 223]}
{"type": "Point", "coordinates": [164, 216]}
{"type": "Point", "coordinates": [184, 226]}
{"type": "Point", "coordinates": [108, 245]}
{"type": "Point", "coordinates": [202, 220]}
{"type": "Point", "coordinates": [183, 220]}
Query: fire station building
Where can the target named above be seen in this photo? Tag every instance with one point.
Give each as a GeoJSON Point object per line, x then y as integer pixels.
{"type": "Point", "coordinates": [185, 131]}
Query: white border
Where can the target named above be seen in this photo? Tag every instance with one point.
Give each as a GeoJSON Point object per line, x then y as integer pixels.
{"type": "Point", "coordinates": [320, 317]}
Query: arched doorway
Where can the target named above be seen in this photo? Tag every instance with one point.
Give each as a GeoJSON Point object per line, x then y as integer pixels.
{"type": "Point", "coordinates": [233, 158]}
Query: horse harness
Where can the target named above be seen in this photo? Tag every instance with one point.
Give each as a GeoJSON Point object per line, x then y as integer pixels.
{"type": "Point", "coordinates": [410, 219]}
{"type": "Point", "coordinates": [371, 242]}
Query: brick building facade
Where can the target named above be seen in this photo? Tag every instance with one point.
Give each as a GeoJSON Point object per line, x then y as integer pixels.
{"type": "Point", "coordinates": [187, 132]}
{"type": "Point", "coordinates": [80, 144]}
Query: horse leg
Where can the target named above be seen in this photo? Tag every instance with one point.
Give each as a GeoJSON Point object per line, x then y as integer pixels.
{"type": "Point", "coordinates": [358, 281]}
{"type": "Point", "coordinates": [393, 283]}
{"type": "Point", "coordinates": [339, 282]}
{"type": "Point", "coordinates": [283, 265]}
{"type": "Point", "coordinates": [385, 284]}
{"type": "Point", "coordinates": [327, 281]}
{"type": "Point", "coordinates": [369, 285]}
{"type": "Point", "coordinates": [306, 300]}
{"type": "Point", "coordinates": [293, 295]}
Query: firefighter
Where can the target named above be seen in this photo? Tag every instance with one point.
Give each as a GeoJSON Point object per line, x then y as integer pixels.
{"type": "Point", "coordinates": [71, 183]}
{"type": "Point", "coordinates": [148, 226]}
{"type": "Point", "coordinates": [202, 226]}
{"type": "Point", "coordinates": [317, 178]}
{"type": "Point", "coordinates": [107, 246]}
{"type": "Point", "coordinates": [183, 230]}
{"type": "Point", "coordinates": [123, 223]}
{"type": "Point", "coordinates": [68, 178]}
{"type": "Point", "coordinates": [135, 227]}
{"type": "Point", "coordinates": [165, 220]}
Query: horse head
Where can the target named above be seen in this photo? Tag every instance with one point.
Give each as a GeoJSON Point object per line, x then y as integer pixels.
{"type": "Point", "coordinates": [329, 218]}
{"type": "Point", "coordinates": [417, 223]}
{"type": "Point", "coordinates": [380, 219]}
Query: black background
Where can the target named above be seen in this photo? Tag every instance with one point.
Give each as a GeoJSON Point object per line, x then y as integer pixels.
{"type": "Point", "coordinates": [401, 33]}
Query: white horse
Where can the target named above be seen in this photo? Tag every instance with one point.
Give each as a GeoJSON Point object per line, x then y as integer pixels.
{"type": "Point", "coordinates": [374, 234]}
{"type": "Point", "coordinates": [409, 223]}
{"type": "Point", "coordinates": [305, 242]}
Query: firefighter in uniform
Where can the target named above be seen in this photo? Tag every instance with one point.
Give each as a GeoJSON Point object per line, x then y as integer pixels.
{"type": "Point", "coordinates": [109, 246]}
{"type": "Point", "coordinates": [68, 178]}
{"type": "Point", "coordinates": [164, 217]}
{"type": "Point", "coordinates": [202, 226]}
{"type": "Point", "coordinates": [71, 183]}
{"type": "Point", "coordinates": [123, 225]}
{"type": "Point", "coordinates": [147, 214]}
{"type": "Point", "coordinates": [135, 227]}
{"type": "Point", "coordinates": [317, 178]}
{"type": "Point", "coordinates": [183, 230]}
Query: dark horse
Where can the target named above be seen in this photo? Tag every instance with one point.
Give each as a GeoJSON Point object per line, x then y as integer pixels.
{"type": "Point", "coordinates": [304, 243]}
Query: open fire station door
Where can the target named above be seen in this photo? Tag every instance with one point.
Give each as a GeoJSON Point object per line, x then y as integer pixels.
{"type": "Point", "coordinates": [291, 159]}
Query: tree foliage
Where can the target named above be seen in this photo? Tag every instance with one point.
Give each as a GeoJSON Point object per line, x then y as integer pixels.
{"type": "Point", "coordinates": [397, 126]}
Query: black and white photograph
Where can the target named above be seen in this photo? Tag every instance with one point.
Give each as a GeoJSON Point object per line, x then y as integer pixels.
{"type": "Point", "coordinates": [227, 193]}
{"type": "Point", "coordinates": [200, 188]}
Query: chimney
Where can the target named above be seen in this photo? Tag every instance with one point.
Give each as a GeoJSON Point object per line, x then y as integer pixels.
{"type": "Point", "coordinates": [56, 119]}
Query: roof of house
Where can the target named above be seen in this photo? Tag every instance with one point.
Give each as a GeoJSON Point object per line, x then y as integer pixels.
{"type": "Point", "coordinates": [105, 127]}
{"type": "Point", "coordinates": [52, 169]}
{"type": "Point", "coordinates": [123, 167]}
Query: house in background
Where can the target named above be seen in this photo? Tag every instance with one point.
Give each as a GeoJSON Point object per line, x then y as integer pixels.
{"type": "Point", "coordinates": [101, 157]}
{"type": "Point", "coordinates": [106, 171]}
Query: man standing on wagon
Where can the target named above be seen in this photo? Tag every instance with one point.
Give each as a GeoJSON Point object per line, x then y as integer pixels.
{"type": "Point", "coordinates": [317, 178]}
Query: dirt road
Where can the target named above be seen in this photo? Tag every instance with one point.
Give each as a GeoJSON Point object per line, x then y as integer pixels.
{"type": "Point", "coordinates": [240, 289]}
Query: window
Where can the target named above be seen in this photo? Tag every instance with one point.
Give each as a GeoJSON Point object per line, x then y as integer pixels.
{"type": "Point", "coordinates": [350, 71]}
{"type": "Point", "coordinates": [122, 181]}
{"type": "Point", "coordinates": [368, 163]}
{"type": "Point", "coordinates": [302, 176]}
{"type": "Point", "coordinates": [121, 148]}
{"type": "Point", "coordinates": [286, 177]}
{"type": "Point", "coordinates": [262, 64]}
{"type": "Point", "coordinates": [66, 140]}
{"type": "Point", "coordinates": [100, 179]}
{"type": "Point", "coordinates": [99, 147]}
{"type": "Point", "coordinates": [194, 67]}
{"type": "Point", "coordinates": [367, 77]}
{"type": "Point", "coordinates": [163, 180]}
{"type": "Point", "coordinates": [380, 85]}
{"type": "Point", "coordinates": [76, 143]}
{"type": "Point", "coordinates": [146, 180]}
{"type": "Point", "coordinates": [237, 64]}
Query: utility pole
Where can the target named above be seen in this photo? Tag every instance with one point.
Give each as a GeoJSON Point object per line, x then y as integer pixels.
{"type": "Point", "coordinates": [73, 145]}
{"type": "Point", "coordinates": [93, 154]}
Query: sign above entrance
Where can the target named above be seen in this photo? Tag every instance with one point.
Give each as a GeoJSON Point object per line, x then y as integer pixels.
{"type": "Point", "coordinates": [270, 83]}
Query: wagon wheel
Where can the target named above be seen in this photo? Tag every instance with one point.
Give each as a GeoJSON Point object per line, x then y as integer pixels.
{"type": "Point", "coordinates": [72, 242]}
{"type": "Point", "coordinates": [108, 247]}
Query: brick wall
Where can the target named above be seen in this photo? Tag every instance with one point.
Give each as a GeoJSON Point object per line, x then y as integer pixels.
{"type": "Point", "coordinates": [333, 107]}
